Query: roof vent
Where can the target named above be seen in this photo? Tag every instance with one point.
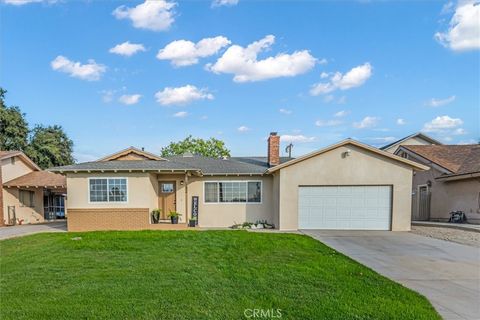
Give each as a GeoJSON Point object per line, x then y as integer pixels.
{"type": "Point", "coordinates": [188, 155]}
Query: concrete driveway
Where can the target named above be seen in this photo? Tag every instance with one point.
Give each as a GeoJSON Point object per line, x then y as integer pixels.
{"type": "Point", "coordinates": [447, 273]}
{"type": "Point", "coordinates": [23, 230]}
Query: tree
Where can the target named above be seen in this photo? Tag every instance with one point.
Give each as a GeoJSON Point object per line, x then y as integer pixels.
{"type": "Point", "coordinates": [13, 126]}
{"type": "Point", "coordinates": [209, 148]}
{"type": "Point", "coordinates": [50, 147]}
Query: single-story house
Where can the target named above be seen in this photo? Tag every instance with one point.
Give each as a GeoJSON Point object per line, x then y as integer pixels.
{"type": "Point", "coordinates": [452, 183]}
{"type": "Point", "coordinates": [416, 139]}
{"type": "Point", "coordinates": [29, 194]}
{"type": "Point", "coordinates": [348, 185]}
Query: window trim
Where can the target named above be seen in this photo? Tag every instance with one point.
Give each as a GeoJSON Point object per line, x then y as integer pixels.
{"type": "Point", "coordinates": [103, 202]}
{"type": "Point", "coordinates": [234, 203]}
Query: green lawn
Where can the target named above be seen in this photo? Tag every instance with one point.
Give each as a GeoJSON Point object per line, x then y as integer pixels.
{"type": "Point", "coordinates": [192, 275]}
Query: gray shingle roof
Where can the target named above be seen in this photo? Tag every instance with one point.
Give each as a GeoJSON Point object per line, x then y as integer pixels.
{"type": "Point", "coordinates": [234, 165]}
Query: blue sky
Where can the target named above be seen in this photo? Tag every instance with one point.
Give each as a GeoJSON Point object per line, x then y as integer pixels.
{"type": "Point", "coordinates": [315, 71]}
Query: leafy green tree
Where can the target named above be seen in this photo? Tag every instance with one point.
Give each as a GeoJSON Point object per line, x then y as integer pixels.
{"type": "Point", "coordinates": [209, 148]}
{"type": "Point", "coordinates": [50, 147]}
{"type": "Point", "coordinates": [13, 126]}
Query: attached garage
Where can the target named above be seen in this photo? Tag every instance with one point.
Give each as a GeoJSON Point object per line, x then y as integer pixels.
{"type": "Point", "coordinates": [345, 207]}
{"type": "Point", "coordinates": [347, 186]}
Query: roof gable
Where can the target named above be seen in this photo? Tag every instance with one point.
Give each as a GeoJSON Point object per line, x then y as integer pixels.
{"type": "Point", "coordinates": [132, 153]}
{"type": "Point", "coordinates": [417, 135]}
{"type": "Point", "coordinates": [22, 156]}
{"type": "Point", "coordinates": [357, 144]}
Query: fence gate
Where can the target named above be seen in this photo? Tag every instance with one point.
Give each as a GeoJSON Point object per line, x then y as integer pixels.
{"type": "Point", "coordinates": [421, 204]}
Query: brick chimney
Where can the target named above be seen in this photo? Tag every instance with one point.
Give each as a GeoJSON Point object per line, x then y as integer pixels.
{"type": "Point", "coordinates": [273, 149]}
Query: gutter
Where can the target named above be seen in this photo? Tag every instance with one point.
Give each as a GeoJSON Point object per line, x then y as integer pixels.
{"type": "Point", "coordinates": [460, 176]}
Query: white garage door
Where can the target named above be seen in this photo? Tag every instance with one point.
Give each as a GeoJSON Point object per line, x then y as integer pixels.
{"type": "Point", "coordinates": [344, 207]}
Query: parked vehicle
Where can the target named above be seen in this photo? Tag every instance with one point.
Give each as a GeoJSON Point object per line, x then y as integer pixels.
{"type": "Point", "coordinates": [457, 217]}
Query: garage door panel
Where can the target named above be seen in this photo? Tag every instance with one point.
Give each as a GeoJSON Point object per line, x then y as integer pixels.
{"type": "Point", "coordinates": [345, 207]}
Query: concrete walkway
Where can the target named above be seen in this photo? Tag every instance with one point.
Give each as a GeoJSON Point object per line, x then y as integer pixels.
{"type": "Point", "coordinates": [461, 226]}
{"type": "Point", "coordinates": [23, 230]}
{"type": "Point", "coordinates": [447, 273]}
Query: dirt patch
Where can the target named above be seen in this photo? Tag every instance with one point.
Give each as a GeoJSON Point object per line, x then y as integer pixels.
{"type": "Point", "coordinates": [469, 238]}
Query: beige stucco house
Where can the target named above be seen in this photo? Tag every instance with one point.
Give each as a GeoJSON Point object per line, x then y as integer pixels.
{"type": "Point", "coordinates": [416, 139]}
{"type": "Point", "coordinates": [28, 194]}
{"type": "Point", "coordinates": [452, 183]}
{"type": "Point", "coordinates": [348, 185]}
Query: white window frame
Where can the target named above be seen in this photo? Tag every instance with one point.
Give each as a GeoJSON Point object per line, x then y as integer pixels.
{"type": "Point", "coordinates": [234, 203]}
{"type": "Point", "coordinates": [99, 202]}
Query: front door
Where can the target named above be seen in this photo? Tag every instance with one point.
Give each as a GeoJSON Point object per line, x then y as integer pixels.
{"type": "Point", "coordinates": [167, 198]}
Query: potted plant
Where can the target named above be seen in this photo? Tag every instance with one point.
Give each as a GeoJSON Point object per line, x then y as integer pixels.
{"type": "Point", "coordinates": [192, 222]}
{"type": "Point", "coordinates": [156, 215]}
{"type": "Point", "coordinates": [173, 215]}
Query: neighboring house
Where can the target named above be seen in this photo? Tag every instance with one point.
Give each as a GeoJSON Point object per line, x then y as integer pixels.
{"type": "Point", "coordinates": [413, 139]}
{"type": "Point", "coordinates": [452, 183]}
{"type": "Point", "coordinates": [29, 195]}
{"type": "Point", "coordinates": [348, 185]}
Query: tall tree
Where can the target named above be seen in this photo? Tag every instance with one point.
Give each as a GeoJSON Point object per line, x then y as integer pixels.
{"type": "Point", "coordinates": [13, 126]}
{"type": "Point", "coordinates": [50, 146]}
{"type": "Point", "coordinates": [209, 148]}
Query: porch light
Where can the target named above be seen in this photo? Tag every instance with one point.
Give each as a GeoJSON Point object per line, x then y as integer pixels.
{"type": "Point", "coordinates": [181, 182]}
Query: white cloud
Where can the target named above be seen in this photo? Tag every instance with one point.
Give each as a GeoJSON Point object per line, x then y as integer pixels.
{"type": "Point", "coordinates": [180, 114]}
{"type": "Point", "coordinates": [366, 122]}
{"type": "Point", "coordinates": [156, 15]}
{"type": "Point", "coordinates": [90, 71]}
{"type": "Point", "coordinates": [300, 138]}
{"type": "Point", "coordinates": [129, 99]}
{"type": "Point", "coordinates": [243, 63]}
{"type": "Point", "coordinates": [127, 49]}
{"type": "Point", "coordinates": [243, 129]}
{"type": "Point", "coordinates": [354, 78]}
{"type": "Point", "coordinates": [285, 111]}
{"type": "Point", "coordinates": [324, 75]}
{"type": "Point", "coordinates": [459, 132]}
{"type": "Point", "coordinates": [439, 102]}
{"type": "Point", "coordinates": [382, 139]}
{"type": "Point", "coordinates": [23, 2]}
{"type": "Point", "coordinates": [184, 53]}
{"type": "Point", "coordinates": [182, 95]}
{"type": "Point", "coordinates": [219, 3]}
{"type": "Point", "coordinates": [442, 124]}
{"type": "Point", "coordinates": [203, 117]}
{"type": "Point", "coordinates": [401, 122]}
{"type": "Point", "coordinates": [341, 113]}
{"type": "Point", "coordinates": [464, 28]}
{"type": "Point", "coordinates": [327, 123]}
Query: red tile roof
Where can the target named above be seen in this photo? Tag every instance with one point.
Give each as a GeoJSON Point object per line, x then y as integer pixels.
{"type": "Point", "coordinates": [457, 159]}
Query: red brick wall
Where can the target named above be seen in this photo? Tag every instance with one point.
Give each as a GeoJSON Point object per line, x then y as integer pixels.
{"type": "Point", "coordinates": [273, 149]}
{"type": "Point", "coordinates": [108, 219]}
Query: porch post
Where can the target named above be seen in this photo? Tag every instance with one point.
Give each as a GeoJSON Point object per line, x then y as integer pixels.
{"type": "Point", "coordinates": [2, 222]}
{"type": "Point", "coordinates": [186, 197]}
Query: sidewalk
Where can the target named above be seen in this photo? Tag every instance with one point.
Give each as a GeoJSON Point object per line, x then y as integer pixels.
{"type": "Point", "coordinates": [23, 230]}
{"type": "Point", "coordinates": [461, 226]}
